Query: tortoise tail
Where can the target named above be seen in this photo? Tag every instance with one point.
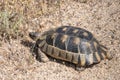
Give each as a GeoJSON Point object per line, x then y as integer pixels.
{"type": "Point", "coordinates": [106, 52]}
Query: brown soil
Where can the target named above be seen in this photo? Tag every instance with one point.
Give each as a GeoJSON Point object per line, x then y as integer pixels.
{"type": "Point", "coordinates": [101, 17]}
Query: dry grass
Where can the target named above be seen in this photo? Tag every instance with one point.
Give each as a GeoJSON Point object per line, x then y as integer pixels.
{"type": "Point", "coordinates": [17, 16]}
{"type": "Point", "coordinates": [9, 25]}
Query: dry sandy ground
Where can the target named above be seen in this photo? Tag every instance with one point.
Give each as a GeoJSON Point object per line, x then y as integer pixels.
{"type": "Point", "coordinates": [101, 17]}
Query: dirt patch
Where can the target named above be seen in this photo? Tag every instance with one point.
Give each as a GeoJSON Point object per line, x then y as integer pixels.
{"type": "Point", "coordinates": [101, 17]}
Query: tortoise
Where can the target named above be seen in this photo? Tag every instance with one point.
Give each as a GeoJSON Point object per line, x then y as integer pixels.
{"type": "Point", "coordinates": [71, 44]}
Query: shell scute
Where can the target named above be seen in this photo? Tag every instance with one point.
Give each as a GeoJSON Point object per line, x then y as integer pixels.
{"type": "Point", "coordinates": [72, 46]}
{"type": "Point", "coordinates": [60, 41]}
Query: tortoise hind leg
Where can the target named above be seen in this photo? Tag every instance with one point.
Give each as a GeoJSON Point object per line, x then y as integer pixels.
{"type": "Point", "coordinates": [79, 68]}
{"type": "Point", "coordinates": [42, 56]}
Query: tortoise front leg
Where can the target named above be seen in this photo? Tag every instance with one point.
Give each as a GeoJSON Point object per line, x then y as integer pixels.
{"type": "Point", "coordinates": [42, 56]}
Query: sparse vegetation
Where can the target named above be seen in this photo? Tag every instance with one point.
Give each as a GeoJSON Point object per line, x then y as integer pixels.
{"type": "Point", "coordinates": [16, 13]}
{"type": "Point", "coordinates": [9, 24]}
{"type": "Point", "coordinates": [18, 17]}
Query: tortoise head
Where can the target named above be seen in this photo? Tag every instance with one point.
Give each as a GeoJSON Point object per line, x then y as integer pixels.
{"type": "Point", "coordinates": [34, 35]}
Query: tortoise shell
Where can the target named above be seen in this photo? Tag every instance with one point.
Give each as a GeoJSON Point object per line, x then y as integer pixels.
{"type": "Point", "coordinates": [72, 44]}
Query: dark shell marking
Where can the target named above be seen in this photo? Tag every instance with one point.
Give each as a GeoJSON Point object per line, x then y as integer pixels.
{"type": "Point", "coordinates": [72, 44]}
